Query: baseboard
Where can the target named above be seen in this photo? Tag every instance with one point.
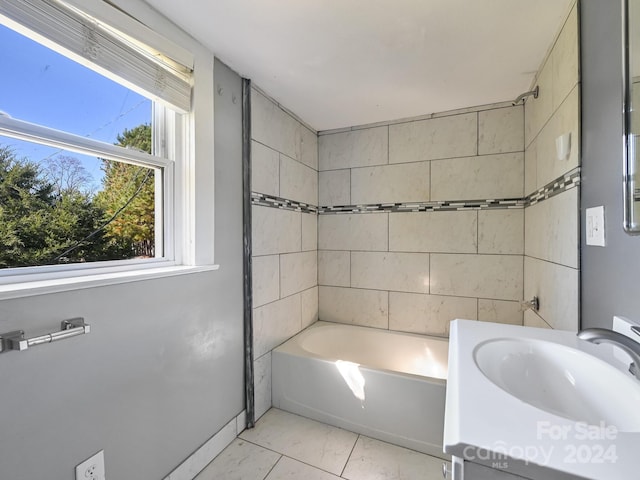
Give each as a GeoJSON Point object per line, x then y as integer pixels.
{"type": "Point", "coordinates": [203, 456]}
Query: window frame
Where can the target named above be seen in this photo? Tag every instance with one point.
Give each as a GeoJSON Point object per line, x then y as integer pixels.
{"type": "Point", "coordinates": [187, 198]}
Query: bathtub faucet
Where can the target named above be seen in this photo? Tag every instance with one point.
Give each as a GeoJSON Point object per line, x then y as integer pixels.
{"type": "Point", "coordinates": [533, 304]}
{"type": "Point", "coordinates": [603, 335]}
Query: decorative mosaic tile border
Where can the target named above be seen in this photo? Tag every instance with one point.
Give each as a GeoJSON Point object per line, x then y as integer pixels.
{"type": "Point", "coordinates": [441, 206]}
{"type": "Point", "coordinates": [561, 184]}
{"type": "Point", "coordinates": [282, 203]}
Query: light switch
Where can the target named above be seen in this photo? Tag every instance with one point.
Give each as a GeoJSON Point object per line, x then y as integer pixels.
{"type": "Point", "coordinates": [595, 226]}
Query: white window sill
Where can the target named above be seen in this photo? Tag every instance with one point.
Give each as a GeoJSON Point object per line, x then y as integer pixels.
{"type": "Point", "coordinates": [91, 279]}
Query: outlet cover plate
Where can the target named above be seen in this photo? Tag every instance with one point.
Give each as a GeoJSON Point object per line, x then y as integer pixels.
{"type": "Point", "coordinates": [92, 468]}
{"type": "Point", "coordinates": [595, 226]}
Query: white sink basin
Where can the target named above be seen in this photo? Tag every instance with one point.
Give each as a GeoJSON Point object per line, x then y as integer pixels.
{"type": "Point", "coordinates": [561, 380]}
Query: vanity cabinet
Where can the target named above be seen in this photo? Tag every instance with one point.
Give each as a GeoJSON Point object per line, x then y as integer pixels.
{"type": "Point", "coordinates": [462, 469]}
{"type": "Point", "coordinates": [465, 470]}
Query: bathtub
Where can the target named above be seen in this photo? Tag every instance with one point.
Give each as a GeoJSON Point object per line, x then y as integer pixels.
{"type": "Point", "coordinates": [383, 384]}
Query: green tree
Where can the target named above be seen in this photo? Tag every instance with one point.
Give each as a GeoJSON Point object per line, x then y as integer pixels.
{"type": "Point", "coordinates": [40, 223]}
{"type": "Point", "coordinates": [128, 199]}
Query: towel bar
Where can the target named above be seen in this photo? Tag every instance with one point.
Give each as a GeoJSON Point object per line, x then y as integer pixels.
{"type": "Point", "coordinates": [68, 328]}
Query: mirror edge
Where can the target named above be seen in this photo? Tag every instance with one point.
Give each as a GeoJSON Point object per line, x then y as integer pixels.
{"type": "Point", "coordinates": [630, 223]}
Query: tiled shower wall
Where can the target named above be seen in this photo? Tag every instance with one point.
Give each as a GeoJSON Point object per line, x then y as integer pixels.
{"type": "Point", "coordinates": [415, 271]}
{"type": "Point", "coordinates": [284, 168]}
{"type": "Point", "coordinates": [551, 267]}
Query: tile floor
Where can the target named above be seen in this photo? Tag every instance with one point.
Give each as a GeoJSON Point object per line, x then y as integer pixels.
{"type": "Point", "coordinates": [284, 446]}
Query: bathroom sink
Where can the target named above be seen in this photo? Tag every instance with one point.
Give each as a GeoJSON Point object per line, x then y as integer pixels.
{"type": "Point", "coordinates": [561, 380]}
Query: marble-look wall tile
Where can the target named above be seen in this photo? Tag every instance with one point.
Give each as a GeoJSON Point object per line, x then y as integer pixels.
{"type": "Point", "coordinates": [334, 187]}
{"type": "Point", "coordinates": [443, 232]}
{"type": "Point", "coordinates": [369, 308]}
{"type": "Point", "coordinates": [428, 314]}
{"type": "Point", "coordinates": [496, 277]}
{"type": "Point", "coordinates": [309, 300]}
{"type": "Point", "coordinates": [565, 120]}
{"type": "Point", "coordinates": [501, 130]}
{"type": "Point", "coordinates": [533, 320]}
{"type": "Point", "coordinates": [266, 279]}
{"type": "Point", "coordinates": [538, 110]}
{"type": "Point", "coordinates": [262, 384]}
{"type": "Point", "coordinates": [298, 271]}
{"type": "Point", "coordinates": [557, 288]}
{"type": "Point", "coordinates": [309, 148]}
{"type": "Point", "coordinates": [478, 178]}
{"type": "Point", "coordinates": [354, 232]}
{"type": "Point", "coordinates": [357, 148]}
{"type": "Point", "coordinates": [407, 182]}
{"type": "Point", "coordinates": [445, 137]}
{"type": "Point", "coordinates": [501, 231]}
{"type": "Point", "coordinates": [309, 231]}
{"type": "Point", "coordinates": [298, 182]}
{"type": "Point", "coordinates": [265, 169]}
{"type": "Point", "coordinates": [565, 59]}
{"type": "Point", "coordinates": [272, 126]}
{"type": "Point", "coordinates": [552, 229]}
{"type": "Point", "coordinates": [275, 231]}
{"type": "Point", "coordinates": [499, 311]}
{"type": "Point", "coordinates": [275, 323]}
{"type": "Point", "coordinates": [334, 268]}
{"type": "Point", "coordinates": [400, 272]}
{"type": "Point", "coordinates": [531, 168]}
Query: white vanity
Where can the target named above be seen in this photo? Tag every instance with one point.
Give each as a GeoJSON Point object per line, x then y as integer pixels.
{"type": "Point", "coordinates": [539, 404]}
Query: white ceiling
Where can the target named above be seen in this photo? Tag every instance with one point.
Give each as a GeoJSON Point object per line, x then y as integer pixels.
{"type": "Point", "coordinates": [338, 63]}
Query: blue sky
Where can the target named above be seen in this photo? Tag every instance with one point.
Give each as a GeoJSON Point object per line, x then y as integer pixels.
{"type": "Point", "coordinates": [41, 86]}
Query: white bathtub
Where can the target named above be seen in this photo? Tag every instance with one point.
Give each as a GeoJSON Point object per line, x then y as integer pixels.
{"type": "Point", "coordinates": [318, 374]}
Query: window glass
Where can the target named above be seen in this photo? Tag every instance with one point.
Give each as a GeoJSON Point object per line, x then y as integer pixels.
{"type": "Point", "coordinates": [58, 206]}
{"type": "Point", "coordinates": [41, 86]}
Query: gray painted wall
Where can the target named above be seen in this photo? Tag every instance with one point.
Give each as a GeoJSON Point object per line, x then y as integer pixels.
{"type": "Point", "coordinates": [610, 275]}
{"type": "Point", "coordinates": [161, 370]}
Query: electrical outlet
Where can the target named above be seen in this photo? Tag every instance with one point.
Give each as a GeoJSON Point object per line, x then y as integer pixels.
{"type": "Point", "coordinates": [92, 468]}
{"type": "Point", "coordinates": [595, 226]}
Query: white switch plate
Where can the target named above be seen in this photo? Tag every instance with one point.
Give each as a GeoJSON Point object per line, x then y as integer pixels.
{"type": "Point", "coordinates": [92, 468]}
{"type": "Point", "coordinates": [595, 226]}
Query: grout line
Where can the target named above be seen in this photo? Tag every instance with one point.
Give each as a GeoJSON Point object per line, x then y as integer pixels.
{"type": "Point", "coordinates": [420, 118]}
{"type": "Point", "coordinates": [272, 468]}
{"type": "Point", "coordinates": [349, 457]}
{"type": "Point", "coordinates": [388, 310]}
{"type": "Point", "coordinates": [388, 146]}
{"type": "Point", "coordinates": [350, 185]}
{"type": "Point", "coordinates": [388, 233]}
{"type": "Point", "coordinates": [551, 262]}
{"type": "Point", "coordinates": [350, 270]}
{"type": "Point", "coordinates": [477, 232]}
{"type": "Point", "coordinates": [448, 295]}
{"type": "Point", "coordinates": [429, 287]}
{"type": "Point", "coordinates": [477, 133]}
{"type": "Point", "coordinates": [430, 180]}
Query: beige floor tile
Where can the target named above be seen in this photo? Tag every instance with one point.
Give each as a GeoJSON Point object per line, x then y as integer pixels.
{"type": "Point", "coordinates": [241, 460]}
{"type": "Point", "coordinates": [375, 460]}
{"type": "Point", "coordinates": [311, 442]}
{"type": "Point", "coordinates": [289, 469]}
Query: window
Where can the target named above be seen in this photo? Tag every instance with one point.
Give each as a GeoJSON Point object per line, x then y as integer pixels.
{"type": "Point", "coordinates": [92, 139]}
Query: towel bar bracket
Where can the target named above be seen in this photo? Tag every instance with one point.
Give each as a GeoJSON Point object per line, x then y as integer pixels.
{"type": "Point", "coordinates": [15, 340]}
